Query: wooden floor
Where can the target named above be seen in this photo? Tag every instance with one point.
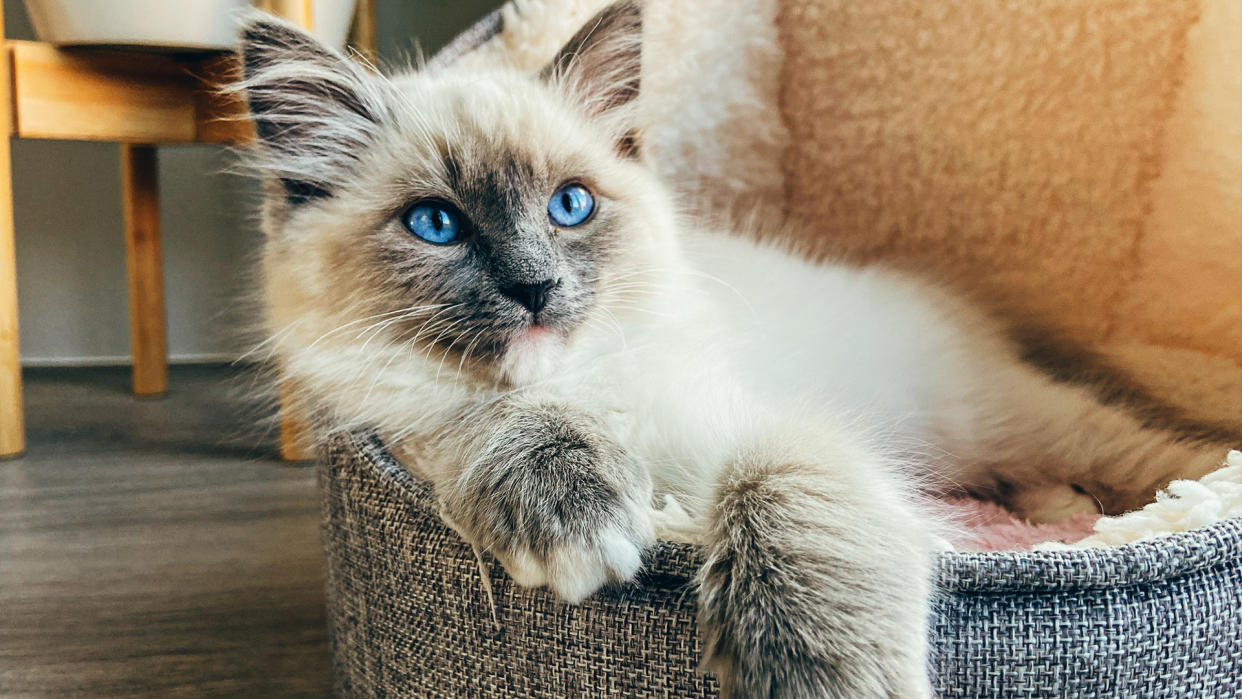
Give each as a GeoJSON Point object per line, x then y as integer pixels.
{"type": "Point", "coordinates": [156, 547]}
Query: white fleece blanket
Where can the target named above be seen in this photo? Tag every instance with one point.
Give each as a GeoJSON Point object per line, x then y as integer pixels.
{"type": "Point", "coordinates": [1183, 506]}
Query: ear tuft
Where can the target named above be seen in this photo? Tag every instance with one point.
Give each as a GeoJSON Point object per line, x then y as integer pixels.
{"type": "Point", "coordinates": [314, 110]}
{"type": "Point", "coordinates": [267, 41]}
{"type": "Point", "coordinates": [602, 64]}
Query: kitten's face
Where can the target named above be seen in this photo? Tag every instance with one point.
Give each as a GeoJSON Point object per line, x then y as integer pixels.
{"type": "Point", "coordinates": [481, 219]}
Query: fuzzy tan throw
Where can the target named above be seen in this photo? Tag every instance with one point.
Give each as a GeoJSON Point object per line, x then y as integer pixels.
{"type": "Point", "coordinates": [1078, 162]}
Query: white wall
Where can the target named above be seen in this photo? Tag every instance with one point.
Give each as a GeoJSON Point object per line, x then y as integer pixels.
{"type": "Point", "coordinates": [70, 251]}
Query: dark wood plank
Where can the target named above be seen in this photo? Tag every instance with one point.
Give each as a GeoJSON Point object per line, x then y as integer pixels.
{"type": "Point", "coordinates": [149, 548]}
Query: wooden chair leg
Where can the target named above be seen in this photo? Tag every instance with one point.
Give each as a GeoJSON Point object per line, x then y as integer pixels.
{"type": "Point", "coordinates": [12, 424]}
{"type": "Point", "coordinates": [295, 435]}
{"type": "Point", "coordinates": [362, 30]}
{"type": "Point", "coordinates": [12, 421]}
{"type": "Point", "coordinates": [144, 262]}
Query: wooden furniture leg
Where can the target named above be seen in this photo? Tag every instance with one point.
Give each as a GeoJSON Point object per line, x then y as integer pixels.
{"type": "Point", "coordinates": [144, 263]}
{"type": "Point", "coordinates": [295, 434]}
{"type": "Point", "coordinates": [12, 425]}
{"type": "Point", "coordinates": [362, 30]}
{"type": "Point", "coordinates": [12, 422]}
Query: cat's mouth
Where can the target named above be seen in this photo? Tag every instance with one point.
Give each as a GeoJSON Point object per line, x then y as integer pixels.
{"type": "Point", "coordinates": [535, 332]}
{"type": "Point", "coordinates": [531, 354]}
{"type": "Point", "coordinates": [536, 337]}
{"type": "Point", "coordinates": [542, 325]}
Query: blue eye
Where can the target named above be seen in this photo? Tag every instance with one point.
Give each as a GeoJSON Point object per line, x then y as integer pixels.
{"type": "Point", "coordinates": [571, 205]}
{"type": "Point", "coordinates": [434, 223]}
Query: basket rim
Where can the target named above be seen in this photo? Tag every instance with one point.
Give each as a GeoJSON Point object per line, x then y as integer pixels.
{"type": "Point", "coordinates": [674, 564]}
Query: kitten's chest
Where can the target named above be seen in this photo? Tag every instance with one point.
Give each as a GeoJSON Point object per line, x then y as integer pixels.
{"type": "Point", "coordinates": [661, 395]}
{"type": "Point", "coordinates": [620, 383]}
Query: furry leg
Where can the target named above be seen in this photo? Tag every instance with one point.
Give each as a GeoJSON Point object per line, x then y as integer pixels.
{"type": "Point", "coordinates": [552, 496]}
{"type": "Point", "coordinates": [816, 582]}
{"type": "Point", "coordinates": [1050, 450]}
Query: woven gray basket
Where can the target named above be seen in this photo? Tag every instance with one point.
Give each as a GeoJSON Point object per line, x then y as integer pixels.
{"type": "Point", "coordinates": [409, 615]}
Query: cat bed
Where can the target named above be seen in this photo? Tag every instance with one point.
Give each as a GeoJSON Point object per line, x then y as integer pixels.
{"type": "Point", "coordinates": [412, 615]}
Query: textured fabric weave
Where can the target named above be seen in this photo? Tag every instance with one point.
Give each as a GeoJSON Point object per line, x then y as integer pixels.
{"type": "Point", "coordinates": [410, 616]}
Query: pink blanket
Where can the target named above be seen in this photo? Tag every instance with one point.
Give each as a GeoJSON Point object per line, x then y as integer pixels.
{"type": "Point", "coordinates": [986, 526]}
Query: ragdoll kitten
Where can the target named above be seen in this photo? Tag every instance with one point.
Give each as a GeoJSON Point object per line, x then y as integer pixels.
{"type": "Point", "coordinates": [481, 267]}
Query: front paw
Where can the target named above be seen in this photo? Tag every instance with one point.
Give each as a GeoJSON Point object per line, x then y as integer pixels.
{"type": "Point", "coordinates": [557, 502]}
{"type": "Point", "coordinates": [764, 639]}
{"type": "Point", "coordinates": [798, 600]}
{"type": "Point", "coordinates": [575, 567]}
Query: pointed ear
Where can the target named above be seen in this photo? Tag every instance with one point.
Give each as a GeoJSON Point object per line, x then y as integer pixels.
{"type": "Point", "coordinates": [314, 110]}
{"type": "Point", "coordinates": [601, 66]}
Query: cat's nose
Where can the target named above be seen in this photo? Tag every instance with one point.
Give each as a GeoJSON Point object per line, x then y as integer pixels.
{"type": "Point", "coordinates": [533, 296]}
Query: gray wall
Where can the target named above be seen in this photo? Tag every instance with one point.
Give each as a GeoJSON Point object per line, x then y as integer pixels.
{"type": "Point", "coordinates": [70, 251]}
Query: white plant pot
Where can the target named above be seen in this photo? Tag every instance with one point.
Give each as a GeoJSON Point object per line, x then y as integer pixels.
{"type": "Point", "coordinates": [167, 24]}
